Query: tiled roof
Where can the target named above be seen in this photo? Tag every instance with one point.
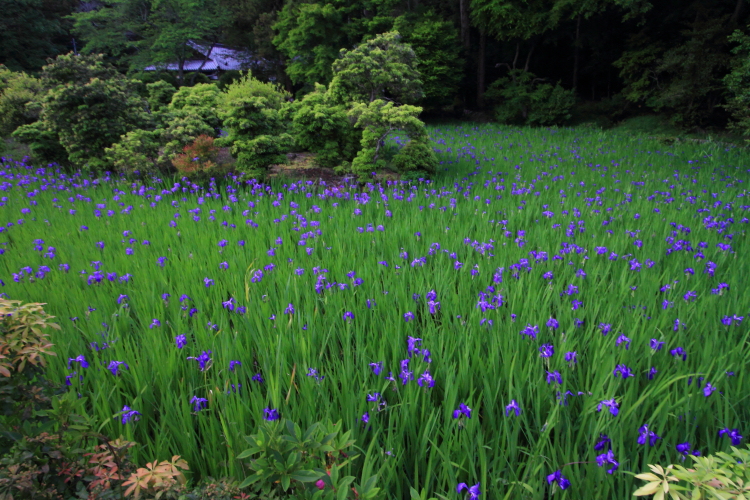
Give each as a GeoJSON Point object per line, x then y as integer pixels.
{"type": "Point", "coordinates": [219, 57]}
{"type": "Point", "coordinates": [187, 66]}
{"type": "Point", "coordinates": [226, 58]}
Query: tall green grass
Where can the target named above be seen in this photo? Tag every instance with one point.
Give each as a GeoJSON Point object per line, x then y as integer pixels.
{"type": "Point", "coordinates": [480, 359]}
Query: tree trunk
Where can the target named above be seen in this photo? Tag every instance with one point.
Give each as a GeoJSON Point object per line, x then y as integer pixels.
{"type": "Point", "coordinates": [737, 11]}
{"type": "Point", "coordinates": [464, 10]}
{"type": "Point", "coordinates": [181, 66]}
{"type": "Point", "coordinates": [205, 58]}
{"type": "Point", "coordinates": [518, 50]}
{"type": "Point", "coordinates": [528, 56]}
{"type": "Point", "coordinates": [577, 52]}
{"type": "Point", "coordinates": [287, 81]}
{"type": "Point", "coordinates": [481, 69]}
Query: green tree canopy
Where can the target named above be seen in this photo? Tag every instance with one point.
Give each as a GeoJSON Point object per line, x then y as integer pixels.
{"type": "Point", "coordinates": [378, 119]}
{"type": "Point", "coordinates": [87, 107]}
{"type": "Point", "coordinates": [436, 44]}
{"type": "Point", "coordinates": [379, 68]}
{"type": "Point", "coordinates": [311, 35]}
{"type": "Point", "coordinates": [256, 133]}
{"type": "Point", "coordinates": [17, 89]}
{"type": "Point", "coordinates": [31, 31]}
{"type": "Point", "coordinates": [149, 32]}
{"type": "Point", "coordinates": [738, 83]}
{"type": "Point", "coordinates": [512, 19]}
{"type": "Point", "coordinates": [683, 75]}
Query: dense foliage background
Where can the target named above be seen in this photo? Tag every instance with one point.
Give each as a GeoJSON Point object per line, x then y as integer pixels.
{"type": "Point", "coordinates": [611, 57]}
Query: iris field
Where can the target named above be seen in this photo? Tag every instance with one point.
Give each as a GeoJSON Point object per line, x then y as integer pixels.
{"type": "Point", "coordinates": [559, 308]}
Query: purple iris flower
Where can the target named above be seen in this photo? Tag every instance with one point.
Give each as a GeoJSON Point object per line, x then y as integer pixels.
{"type": "Point", "coordinates": [679, 351]}
{"type": "Point", "coordinates": [603, 443]}
{"type": "Point", "coordinates": [180, 340]}
{"type": "Point", "coordinates": [405, 373]}
{"type": "Point", "coordinates": [129, 415]}
{"type": "Point", "coordinates": [425, 380]}
{"type": "Point", "coordinates": [312, 372]}
{"type": "Point", "coordinates": [271, 414]}
{"type": "Point", "coordinates": [513, 407]}
{"type": "Point", "coordinates": [623, 371]}
{"type": "Point", "coordinates": [412, 345]}
{"type": "Point", "coordinates": [79, 359]}
{"type": "Point", "coordinates": [546, 350]}
{"type": "Point", "coordinates": [622, 339]}
{"type": "Point", "coordinates": [557, 477]}
{"type": "Point", "coordinates": [114, 367]}
{"type": "Point", "coordinates": [531, 331]}
{"type": "Point", "coordinates": [686, 449]}
{"type": "Point", "coordinates": [233, 363]}
{"type": "Point", "coordinates": [70, 376]}
{"type": "Point", "coordinates": [376, 367]}
{"type": "Point", "coordinates": [709, 389]}
{"type": "Point", "coordinates": [198, 403]}
{"type": "Point", "coordinates": [462, 410]}
{"type": "Point", "coordinates": [614, 407]}
{"type": "Point", "coordinates": [733, 434]}
{"type": "Point", "coordinates": [644, 434]}
{"type": "Point", "coordinates": [473, 491]}
{"type": "Point", "coordinates": [204, 360]}
{"type": "Point", "coordinates": [608, 458]}
{"type": "Point", "coordinates": [554, 377]}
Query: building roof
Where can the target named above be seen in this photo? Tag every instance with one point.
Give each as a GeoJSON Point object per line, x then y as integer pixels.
{"type": "Point", "coordinates": [225, 57]}
{"type": "Point", "coordinates": [190, 65]}
{"type": "Point", "coordinates": [218, 57]}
